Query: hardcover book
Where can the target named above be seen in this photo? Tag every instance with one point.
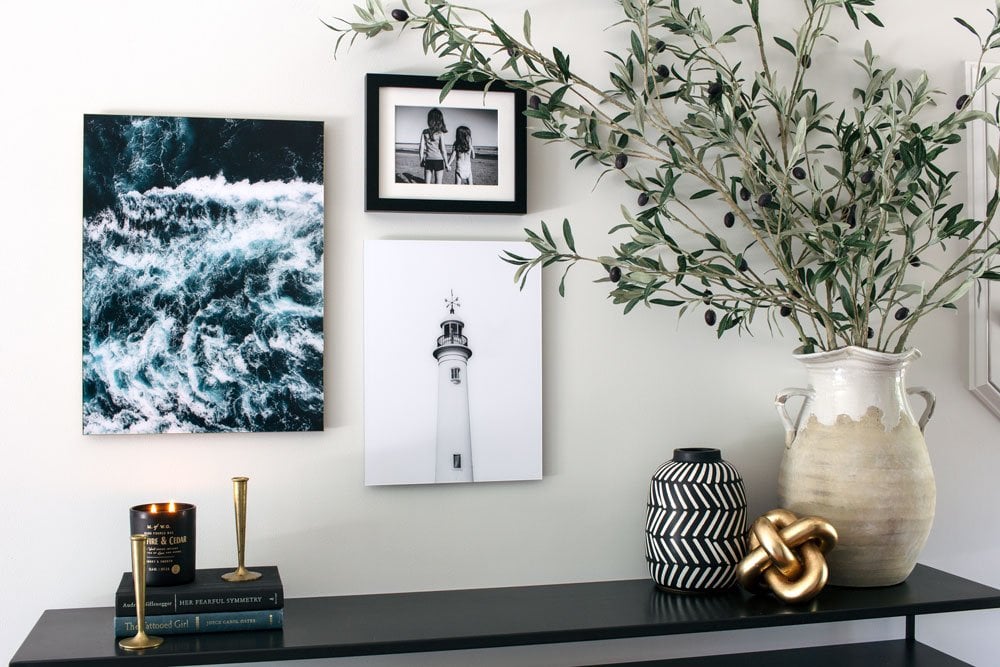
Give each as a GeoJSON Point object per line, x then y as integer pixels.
{"type": "Point", "coordinates": [182, 624]}
{"type": "Point", "coordinates": [208, 593]}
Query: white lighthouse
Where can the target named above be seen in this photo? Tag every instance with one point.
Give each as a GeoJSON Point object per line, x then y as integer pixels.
{"type": "Point", "coordinates": [454, 434]}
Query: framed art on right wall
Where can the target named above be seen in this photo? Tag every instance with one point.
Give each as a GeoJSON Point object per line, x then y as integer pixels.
{"type": "Point", "coordinates": [984, 297]}
{"type": "Point", "coordinates": [463, 153]}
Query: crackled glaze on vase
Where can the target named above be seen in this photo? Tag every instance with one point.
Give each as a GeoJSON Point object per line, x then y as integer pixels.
{"type": "Point", "coordinates": [856, 457]}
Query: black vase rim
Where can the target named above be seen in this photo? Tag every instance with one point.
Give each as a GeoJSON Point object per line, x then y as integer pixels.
{"type": "Point", "coordinates": [697, 455]}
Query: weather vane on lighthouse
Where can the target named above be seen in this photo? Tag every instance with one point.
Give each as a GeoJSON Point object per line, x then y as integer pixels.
{"type": "Point", "coordinates": [452, 302]}
{"type": "Point", "coordinates": [453, 457]}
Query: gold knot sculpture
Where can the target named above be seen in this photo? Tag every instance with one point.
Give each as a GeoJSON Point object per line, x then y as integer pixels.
{"type": "Point", "coordinates": [787, 556]}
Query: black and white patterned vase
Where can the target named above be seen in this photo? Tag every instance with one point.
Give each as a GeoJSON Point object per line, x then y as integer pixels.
{"type": "Point", "coordinates": [695, 522]}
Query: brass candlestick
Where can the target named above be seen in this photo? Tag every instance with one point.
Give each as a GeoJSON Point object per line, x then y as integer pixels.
{"type": "Point", "coordinates": [240, 504]}
{"type": "Point", "coordinates": [141, 639]}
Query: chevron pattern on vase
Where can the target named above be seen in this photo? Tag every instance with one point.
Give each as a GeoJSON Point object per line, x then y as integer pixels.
{"type": "Point", "coordinates": [695, 525]}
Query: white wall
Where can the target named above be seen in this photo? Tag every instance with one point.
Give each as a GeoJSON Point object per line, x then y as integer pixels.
{"type": "Point", "coordinates": [620, 392]}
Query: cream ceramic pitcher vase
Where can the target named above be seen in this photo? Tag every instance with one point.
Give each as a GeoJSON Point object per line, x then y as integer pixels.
{"type": "Point", "coordinates": [856, 457]}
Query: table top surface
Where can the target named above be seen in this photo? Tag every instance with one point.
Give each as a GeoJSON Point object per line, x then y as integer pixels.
{"type": "Point", "coordinates": [323, 627]}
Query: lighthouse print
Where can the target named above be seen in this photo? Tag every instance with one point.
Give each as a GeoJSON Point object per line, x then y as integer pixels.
{"type": "Point", "coordinates": [453, 364]}
{"type": "Point", "coordinates": [453, 454]}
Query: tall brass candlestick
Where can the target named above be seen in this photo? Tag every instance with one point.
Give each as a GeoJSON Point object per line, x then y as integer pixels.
{"type": "Point", "coordinates": [240, 504]}
{"type": "Point", "coordinates": [141, 640]}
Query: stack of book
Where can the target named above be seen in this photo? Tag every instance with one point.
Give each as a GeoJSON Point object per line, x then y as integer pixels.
{"type": "Point", "coordinates": [207, 604]}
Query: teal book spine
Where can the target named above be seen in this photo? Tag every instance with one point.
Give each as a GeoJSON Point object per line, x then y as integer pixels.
{"type": "Point", "coordinates": [183, 624]}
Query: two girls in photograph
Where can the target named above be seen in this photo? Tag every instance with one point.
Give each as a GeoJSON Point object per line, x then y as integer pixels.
{"type": "Point", "coordinates": [435, 158]}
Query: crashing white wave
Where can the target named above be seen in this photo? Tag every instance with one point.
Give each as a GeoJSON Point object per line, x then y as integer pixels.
{"type": "Point", "coordinates": [203, 308]}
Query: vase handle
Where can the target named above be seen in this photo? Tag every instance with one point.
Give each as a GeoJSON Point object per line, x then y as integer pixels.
{"type": "Point", "coordinates": [791, 426]}
{"type": "Point", "coordinates": [931, 401]}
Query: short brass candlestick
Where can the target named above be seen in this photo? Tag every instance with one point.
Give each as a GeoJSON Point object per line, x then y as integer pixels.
{"type": "Point", "coordinates": [241, 573]}
{"type": "Point", "coordinates": [141, 639]}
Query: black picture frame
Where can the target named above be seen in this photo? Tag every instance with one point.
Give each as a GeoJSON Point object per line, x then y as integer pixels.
{"type": "Point", "coordinates": [393, 179]}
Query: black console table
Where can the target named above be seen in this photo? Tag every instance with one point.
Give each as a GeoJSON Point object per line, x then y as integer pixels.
{"type": "Point", "coordinates": [330, 627]}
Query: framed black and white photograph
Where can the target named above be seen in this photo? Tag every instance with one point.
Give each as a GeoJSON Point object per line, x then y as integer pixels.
{"type": "Point", "coordinates": [202, 275]}
{"type": "Point", "coordinates": [462, 154]}
{"type": "Point", "coordinates": [453, 364]}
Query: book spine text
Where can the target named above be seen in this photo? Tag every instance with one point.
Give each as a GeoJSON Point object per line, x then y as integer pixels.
{"type": "Point", "coordinates": [179, 624]}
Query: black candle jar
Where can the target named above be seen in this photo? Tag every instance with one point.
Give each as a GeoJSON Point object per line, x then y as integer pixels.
{"type": "Point", "coordinates": [170, 541]}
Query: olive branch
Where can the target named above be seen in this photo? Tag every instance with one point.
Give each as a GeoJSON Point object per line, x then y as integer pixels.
{"type": "Point", "coordinates": [754, 195]}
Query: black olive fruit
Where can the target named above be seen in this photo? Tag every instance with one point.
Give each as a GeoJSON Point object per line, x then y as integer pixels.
{"type": "Point", "coordinates": [663, 71]}
{"type": "Point", "coordinates": [621, 161]}
{"type": "Point", "coordinates": [744, 194]}
{"type": "Point", "coordinates": [961, 101]}
{"type": "Point", "coordinates": [785, 311]}
{"type": "Point", "coordinates": [729, 219]}
{"type": "Point", "coordinates": [615, 274]}
{"type": "Point", "coordinates": [867, 177]}
{"type": "Point", "coordinates": [642, 199]}
{"type": "Point", "coordinates": [902, 313]}
{"type": "Point", "coordinates": [400, 14]}
{"type": "Point", "coordinates": [710, 317]}
{"type": "Point", "coordinates": [534, 101]}
{"type": "Point", "coordinates": [799, 173]}
{"type": "Point", "coordinates": [765, 200]}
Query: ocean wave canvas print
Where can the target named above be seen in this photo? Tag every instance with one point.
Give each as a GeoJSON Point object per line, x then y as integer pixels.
{"type": "Point", "coordinates": [202, 275]}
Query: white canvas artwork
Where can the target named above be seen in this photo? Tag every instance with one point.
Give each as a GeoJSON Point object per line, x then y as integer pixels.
{"type": "Point", "coordinates": [453, 364]}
